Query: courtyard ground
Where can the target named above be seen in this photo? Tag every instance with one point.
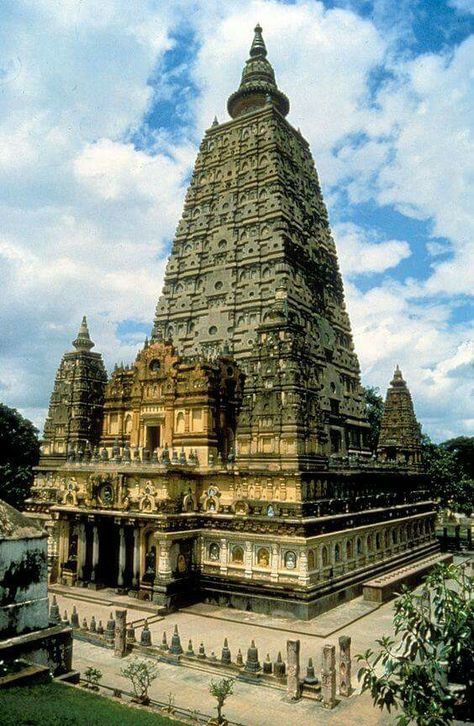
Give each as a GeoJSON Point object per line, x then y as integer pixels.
{"type": "Point", "coordinates": [250, 705]}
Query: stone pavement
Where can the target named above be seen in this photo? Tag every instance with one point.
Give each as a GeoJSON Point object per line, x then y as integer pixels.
{"type": "Point", "coordinates": [322, 626]}
{"type": "Point", "coordinates": [212, 631]}
{"type": "Point", "coordinates": [250, 705]}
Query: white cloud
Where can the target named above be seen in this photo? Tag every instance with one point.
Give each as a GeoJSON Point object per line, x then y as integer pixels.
{"type": "Point", "coordinates": [466, 6]}
{"type": "Point", "coordinates": [361, 251]}
{"type": "Point", "coordinates": [85, 213]}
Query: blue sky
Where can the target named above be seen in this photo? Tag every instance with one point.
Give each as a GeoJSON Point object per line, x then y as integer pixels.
{"type": "Point", "coordinates": [101, 113]}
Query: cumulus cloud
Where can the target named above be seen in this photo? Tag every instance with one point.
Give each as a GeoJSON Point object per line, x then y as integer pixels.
{"type": "Point", "coordinates": [87, 215]}
{"type": "Point", "coordinates": [362, 252]}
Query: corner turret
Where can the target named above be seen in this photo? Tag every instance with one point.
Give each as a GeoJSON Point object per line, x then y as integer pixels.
{"type": "Point", "coordinates": [75, 412]}
{"type": "Point", "coordinates": [400, 433]}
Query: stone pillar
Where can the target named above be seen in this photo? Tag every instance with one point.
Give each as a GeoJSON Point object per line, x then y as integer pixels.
{"type": "Point", "coordinates": [136, 557]}
{"type": "Point", "coordinates": [223, 557]}
{"type": "Point", "coordinates": [293, 688]}
{"type": "Point", "coordinates": [274, 563]}
{"type": "Point", "coordinates": [164, 566]}
{"type": "Point", "coordinates": [121, 561]}
{"type": "Point", "coordinates": [345, 685]}
{"type": "Point", "coordinates": [81, 550]}
{"type": "Point", "coordinates": [63, 548]}
{"type": "Point", "coordinates": [95, 552]}
{"type": "Point", "coordinates": [120, 638]}
{"type": "Point", "coordinates": [303, 577]}
{"type": "Point", "coordinates": [328, 676]}
{"type": "Point", "coordinates": [248, 560]}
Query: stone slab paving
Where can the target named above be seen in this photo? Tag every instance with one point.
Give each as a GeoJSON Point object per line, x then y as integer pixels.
{"type": "Point", "coordinates": [321, 626]}
{"type": "Point", "coordinates": [212, 631]}
{"type": "Point", "coordinates": [250, 705]}
{"type": "Point", "coordinates": [104, 596]}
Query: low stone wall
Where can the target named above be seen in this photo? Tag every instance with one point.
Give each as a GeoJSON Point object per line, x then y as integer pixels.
{"type": "Point", "coordinates": [283, 672]}
{"type": "Point", "coordinates": [381, 589]}
{"type": "Point", "coordinates": [50, 647]}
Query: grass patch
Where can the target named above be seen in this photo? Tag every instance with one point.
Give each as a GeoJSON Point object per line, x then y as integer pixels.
{"type": "Point", "coordinates": [53, 704]}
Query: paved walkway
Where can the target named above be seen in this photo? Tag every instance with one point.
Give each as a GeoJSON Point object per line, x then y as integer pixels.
{"type": "Point", "coordinates": [211, 631]}
{"type": "Point", "coordinates": [250, 705]}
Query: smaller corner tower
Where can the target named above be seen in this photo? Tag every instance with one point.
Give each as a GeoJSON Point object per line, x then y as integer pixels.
{"type": "Point", "coordinates": [76, 404]}
{"type": "Point", "coordinates": [400, 433]}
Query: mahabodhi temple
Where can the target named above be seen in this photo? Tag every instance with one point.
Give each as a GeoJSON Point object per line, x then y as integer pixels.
{"type": "Point", "coordinates": [230, 461]}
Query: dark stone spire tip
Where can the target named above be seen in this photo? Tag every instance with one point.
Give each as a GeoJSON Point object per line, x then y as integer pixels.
{"type": "Point", "coordinates": [258, 83]}
{"type": "Point", "coordinates": [258, 44]}
{"type": "Point", "coordinates": [83, 341]}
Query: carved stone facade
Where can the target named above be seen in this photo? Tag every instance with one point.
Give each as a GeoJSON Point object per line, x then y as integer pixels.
{"type": "Point", "coordinates": [400, 432]}
{"type": "Point", "coordinates": [76, 405]}
{"type": "Point", "coordinates": [232, 464]}
{"type": "Point", "coordinates": [253, 268]}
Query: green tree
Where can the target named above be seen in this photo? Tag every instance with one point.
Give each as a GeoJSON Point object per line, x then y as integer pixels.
{"type": "Point", "coordinates": [449, 473]}
{"type": "Point", "coordinates": [463, 449]}
{"type": "Point", "coordinates": [19, 452]}
{"type": "Point", "coordinates": [141, 674]}
{"type": "Point", "coordinates": [434, 646]}
{"type": "Point", "coordinates": [221, 690]}
{"type": "Point", "coordinates": [374, 406]}
{"type": "Point", "coordinates": [92, 676]}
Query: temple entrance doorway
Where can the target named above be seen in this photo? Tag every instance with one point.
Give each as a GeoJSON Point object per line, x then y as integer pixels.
{"type": "Point", "coordinates": [153, 437]}
{"type": "Point", "coordinates": [108, 553]}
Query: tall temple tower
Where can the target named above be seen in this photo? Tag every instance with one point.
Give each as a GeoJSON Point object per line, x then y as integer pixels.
{"type": "Point", "coordinates": [400, 432]}
{"type": "Point", "coordinates": [76, 407]}
{"type": "Point", "coordinates": [254, 270]}
{"type": "Point", "coordinates": [233, 464]}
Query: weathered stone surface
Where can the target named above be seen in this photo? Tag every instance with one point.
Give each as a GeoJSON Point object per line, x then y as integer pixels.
{"type": "Point", "coordinates": [328, 676]}
{"type": "Point", "coordinates": [120, 638]}
{"type": "Point", "coordinates": [345, 683]}
{"type": "Point", "coordinates": [293, 685]}
{"type": "Point", "coordinates": [75, 411]}
{"type": "Point", "coordinates": [400, 433]}
{"type": "Point", "coordinates": [241, 425]}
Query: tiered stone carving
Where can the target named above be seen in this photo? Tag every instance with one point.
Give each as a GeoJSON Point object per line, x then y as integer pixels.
{"type": "Point", "coordinates": [229, 461]}
{"type": "Point", "coordinates": [253, 269]}
{"type": "Point", "coordinates": [400, 433]}
{"type": "Point", "coordinates": [76, 406]}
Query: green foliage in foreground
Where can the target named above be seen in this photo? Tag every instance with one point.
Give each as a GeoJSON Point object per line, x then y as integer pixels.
{"type": "Point", "coordinates": [221, 690]}
{"type": "Point", "coordinates": [141, 674]}
{"type": "Point", "coordinates": [53, 704]}
{"type": "Point", "coordinates": [434, 646]}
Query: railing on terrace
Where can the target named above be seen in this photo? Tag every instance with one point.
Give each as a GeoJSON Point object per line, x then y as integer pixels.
{"type": "Point", "coordinates": [169, 709]}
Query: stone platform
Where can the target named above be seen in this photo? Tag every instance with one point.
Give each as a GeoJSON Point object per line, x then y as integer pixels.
{"type": "Point", "coordinates": [49, 646]}
{"type": "Point", "coordinates": [384, 588]}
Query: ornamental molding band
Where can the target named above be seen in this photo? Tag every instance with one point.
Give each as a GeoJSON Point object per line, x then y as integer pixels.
{"type": "Point", "coordinates": [230, 461]}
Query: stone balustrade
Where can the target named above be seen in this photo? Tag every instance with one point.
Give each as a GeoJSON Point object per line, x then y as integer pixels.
{"type": "Point", "coordinates": [289, 675]}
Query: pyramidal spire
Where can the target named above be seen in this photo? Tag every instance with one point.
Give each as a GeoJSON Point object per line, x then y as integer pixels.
{"type": "Point", "coordinates": [83, 340]}
{"type": "Point", "coordinates": [258, 47]}
{"type": "Point", "coordinates": [258, 84]}
{"type": "Point", "coordinates": [397, 379]}
{"type": "Point", "coordinates": [400, 432]}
